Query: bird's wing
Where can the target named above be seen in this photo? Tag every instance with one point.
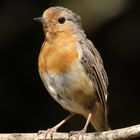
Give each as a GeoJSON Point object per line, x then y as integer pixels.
{"type": "Point", "coordinates": [93, 65]}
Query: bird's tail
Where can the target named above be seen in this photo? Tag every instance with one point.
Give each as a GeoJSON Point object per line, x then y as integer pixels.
{"type": "Point", "coordinates": [99, 119]}
{"type": "Point", "coordinates": [100, 123]}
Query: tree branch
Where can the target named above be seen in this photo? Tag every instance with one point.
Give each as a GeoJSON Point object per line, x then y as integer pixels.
{"type": "Point", "coordinates": [117, 134]}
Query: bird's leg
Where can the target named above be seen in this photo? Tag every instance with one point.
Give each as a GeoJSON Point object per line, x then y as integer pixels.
{"type": "Point", "coordinates": [50, 131]}
{"type": "Point", "coordinates": [87, 122]}
{"type": "Point", "coordinates": [81, 133]}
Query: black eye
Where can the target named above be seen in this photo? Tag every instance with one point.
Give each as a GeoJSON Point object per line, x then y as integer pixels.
{"type": "Point", "coordinates": [61, 20]}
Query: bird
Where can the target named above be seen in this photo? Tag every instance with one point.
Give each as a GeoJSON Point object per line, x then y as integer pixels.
{"type": "Point", "coordinates": [72, 69]}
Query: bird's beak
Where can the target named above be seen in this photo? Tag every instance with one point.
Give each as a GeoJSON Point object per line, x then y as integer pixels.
{"type": "Point", "coordinates": [40, 19]}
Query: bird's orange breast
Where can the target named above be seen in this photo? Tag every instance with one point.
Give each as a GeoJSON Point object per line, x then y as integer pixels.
{"type": "Point", "coordinates": [59, 55]}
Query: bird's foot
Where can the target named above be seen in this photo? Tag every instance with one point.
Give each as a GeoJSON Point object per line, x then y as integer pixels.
{"type": "Point", "coordinates": [47, 133]}
{"type": "Point", "coordinates": [78, 135]}
{"type": "Point", "coordinates": [52, 130]}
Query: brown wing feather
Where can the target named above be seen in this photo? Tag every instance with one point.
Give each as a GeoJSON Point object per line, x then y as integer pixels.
{"type": "Point", "coordinates": [93, 65]}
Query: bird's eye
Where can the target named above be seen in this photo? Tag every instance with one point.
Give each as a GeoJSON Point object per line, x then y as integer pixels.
{"type": "Point", "coordinates": [61, 20]}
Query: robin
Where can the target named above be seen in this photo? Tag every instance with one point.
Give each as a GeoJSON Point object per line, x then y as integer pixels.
{"type": "Point", "coordinates": [72, 69]}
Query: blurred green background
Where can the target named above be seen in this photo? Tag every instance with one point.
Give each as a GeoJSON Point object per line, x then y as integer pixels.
{"type": "Point", "coordinates": [114, 28]}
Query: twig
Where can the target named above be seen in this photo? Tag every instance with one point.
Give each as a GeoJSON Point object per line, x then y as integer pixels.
{"type": "Point", "coordinates": [117, 134]}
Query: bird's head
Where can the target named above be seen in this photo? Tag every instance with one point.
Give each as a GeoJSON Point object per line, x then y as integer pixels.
{"type": "Point", "coordinates": [58, 19]}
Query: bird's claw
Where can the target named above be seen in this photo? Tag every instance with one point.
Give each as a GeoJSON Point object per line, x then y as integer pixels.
{"type": "Point", "coordinates": [78, 135]}
{"type": "Point", "coordinates": [48, 132]}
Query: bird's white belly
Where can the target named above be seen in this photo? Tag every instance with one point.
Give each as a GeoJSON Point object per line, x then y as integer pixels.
{"type": "Point", "coordinates": [61, 86]}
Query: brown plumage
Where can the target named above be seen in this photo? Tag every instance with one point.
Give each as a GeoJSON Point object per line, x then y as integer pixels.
{"type": "Point", "coordinates": [71, 68]}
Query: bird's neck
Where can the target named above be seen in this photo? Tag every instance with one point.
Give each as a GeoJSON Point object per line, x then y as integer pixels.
{"type": "Point", "coordinates": [51, 36]}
